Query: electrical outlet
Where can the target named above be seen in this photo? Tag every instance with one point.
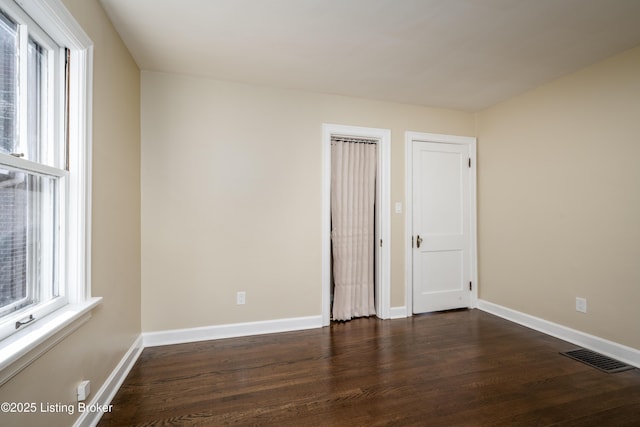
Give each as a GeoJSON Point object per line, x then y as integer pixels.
{"type": "Point", "coordinates": [581, 305]}
{"type": "Point", "coordinates": [83, 390]}
{"type": "Point", "coordinates": [241, 297]}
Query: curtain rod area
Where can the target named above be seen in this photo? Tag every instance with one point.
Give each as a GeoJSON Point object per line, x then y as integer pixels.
{"type": "Point", "coordinates": [353, 140]}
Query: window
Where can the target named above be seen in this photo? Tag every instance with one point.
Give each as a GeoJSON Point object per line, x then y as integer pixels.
{"type": "Point", "coordinates": [32, 174]}
{"type": "Point", "coordinates": [45, 63]}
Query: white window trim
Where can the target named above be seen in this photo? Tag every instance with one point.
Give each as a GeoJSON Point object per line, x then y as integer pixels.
{"type": "Point", "coordinates": [25, 346]}
{"type": "Point", "coordinates": [21, 349]}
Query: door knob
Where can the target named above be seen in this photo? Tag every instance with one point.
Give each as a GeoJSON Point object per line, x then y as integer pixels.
{"type": "Point", "coordinates": [418, 241]}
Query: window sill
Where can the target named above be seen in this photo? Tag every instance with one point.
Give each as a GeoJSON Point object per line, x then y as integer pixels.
{"type": "Point", "coordinates": [19, 350]}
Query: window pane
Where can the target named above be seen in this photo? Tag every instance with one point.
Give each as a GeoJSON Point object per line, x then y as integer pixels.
{"type": "Point", "coordinates": [27, 240]}
{"type": "Point", "coordinates": [36, 89]}
{"type": "Point", "coordinates": [8, 84]}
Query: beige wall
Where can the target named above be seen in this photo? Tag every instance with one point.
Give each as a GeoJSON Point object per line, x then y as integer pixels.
{"type": "Point", "coordinates": [559, 200]}
{"type": "Point", "coordinates": [93, 351]}
{"type": "Point", "coordinates": [231, 182]}
{"type": "Point", "coordinates": [231, 196]}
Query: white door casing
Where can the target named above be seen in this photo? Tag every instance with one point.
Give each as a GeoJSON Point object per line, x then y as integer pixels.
{"type": "Point", "coordinates": [441, 211]}
{"type": "Point", "coordinates": [383, 211]}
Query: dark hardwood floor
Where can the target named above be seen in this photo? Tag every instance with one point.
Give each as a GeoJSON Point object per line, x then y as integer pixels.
{"type": "Point", "coordinates": [447, 369]}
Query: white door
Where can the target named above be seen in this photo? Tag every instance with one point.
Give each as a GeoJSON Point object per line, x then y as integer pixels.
{"type": "Point", "coordinates": [441, 226]}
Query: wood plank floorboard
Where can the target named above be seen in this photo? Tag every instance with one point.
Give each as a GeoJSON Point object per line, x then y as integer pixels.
{"type": "Point", "coordinates": [460, 368]}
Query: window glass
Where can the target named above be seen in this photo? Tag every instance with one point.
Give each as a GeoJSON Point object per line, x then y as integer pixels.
{"type": "Point", "coordinates": [8, 84]}
{"type": "Point", "coordinates": [36, 149]}
{"type": "Point", "coordinates": [27, 240]}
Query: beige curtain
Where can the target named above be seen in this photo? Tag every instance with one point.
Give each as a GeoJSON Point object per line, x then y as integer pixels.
{"type": "Point", "coordinates": [353, 190]}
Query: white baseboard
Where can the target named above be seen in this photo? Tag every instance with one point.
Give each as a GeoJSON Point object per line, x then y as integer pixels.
{"type": "Point", "coordinates": [179, 336]}
{"type": "Point", "coordinates": [398, 312]}
{"type": "Point", "coordinates": [617, 351]}
{"type": "Point", "coordinates": [107, 392]}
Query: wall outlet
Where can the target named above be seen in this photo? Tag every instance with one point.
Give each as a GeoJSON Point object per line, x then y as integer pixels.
{"type": "Point", "coordinates": [581, 305]}
{"type": "Point", "coordinates": [241, 297]}
{"type": "Point", "coordinates": [84, 388]}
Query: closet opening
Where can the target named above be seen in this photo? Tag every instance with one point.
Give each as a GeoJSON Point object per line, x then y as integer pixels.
{"type": "Point", "coordinates": [353, 227]}
{"type": "Point", "coordinates": [355, 223]}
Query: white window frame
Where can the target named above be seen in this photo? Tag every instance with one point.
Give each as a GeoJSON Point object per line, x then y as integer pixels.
{"type": "Point", "coordinates": [30, 342]}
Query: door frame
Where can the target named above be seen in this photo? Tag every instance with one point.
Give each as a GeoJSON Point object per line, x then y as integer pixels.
{"type": "Point", "coordinates": [383, 210]}
{"type": "Point", "coordinates": [409, 139]}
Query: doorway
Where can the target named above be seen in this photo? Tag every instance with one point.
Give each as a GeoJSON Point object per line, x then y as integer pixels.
{"type": "Point", "coordinates": [441, 265]}
{"type": "Point", "coordinates": [382, 138]}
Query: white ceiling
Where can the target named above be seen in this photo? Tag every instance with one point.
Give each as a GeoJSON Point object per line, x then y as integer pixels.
{"type": "Point", "coordinates": [462, 54]}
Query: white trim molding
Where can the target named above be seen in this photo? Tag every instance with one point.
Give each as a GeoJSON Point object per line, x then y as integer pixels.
{"type": "Point", "coordinates": [399, 312]}
{"type": "Point", "coordinates": [617, 351]}
{"type": "Point", "coordinates": [409, 138]}
{"type": "Point", "coordinates": [21, 349]}
{"type": "Point", "coordinates": [61, 24]}
{"type": "Point", "coordinates": [233, 330]}
{"type": "Point", "coordinates": [110, 387]}
{"type": "Point", "coordinates": [383, 276]}
{"type": "Point", "coordinates": [112, 384]}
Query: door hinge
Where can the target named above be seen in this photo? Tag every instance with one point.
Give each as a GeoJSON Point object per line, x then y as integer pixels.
{"type": "Point", "coordinates": [411, 241]}
{"type": "Point", "coordinates": [470, 286]}
{"type": "Point", "coordinates": [469, 161]}
{"type": "Point", "coordinates": [380, 242]}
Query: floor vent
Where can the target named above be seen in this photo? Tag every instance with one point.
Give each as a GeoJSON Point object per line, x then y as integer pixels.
{"type": "Point", "coordinates": [598, 361]}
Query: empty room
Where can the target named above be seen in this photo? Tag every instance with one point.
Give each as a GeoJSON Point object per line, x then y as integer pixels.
{"type": "Point", "coordinates": [319, 212]}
